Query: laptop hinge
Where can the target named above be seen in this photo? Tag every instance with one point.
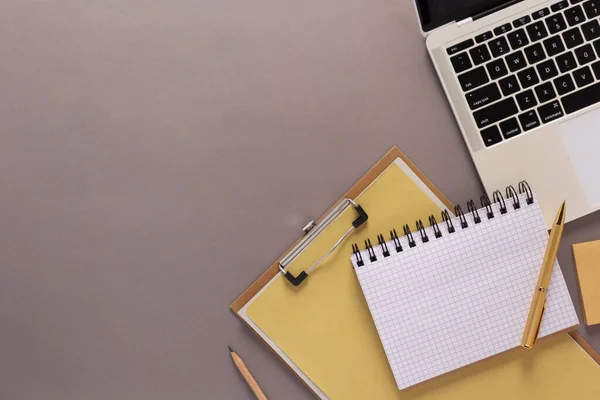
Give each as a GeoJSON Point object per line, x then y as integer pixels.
{"type": "Point", "coordinates": [494, 9]}
{"type": "Point", "coordinates": [464, 22]}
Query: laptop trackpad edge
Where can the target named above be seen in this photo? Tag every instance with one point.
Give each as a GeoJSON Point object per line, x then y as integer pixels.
{"type": "Point", "coordinates": [581, 137]}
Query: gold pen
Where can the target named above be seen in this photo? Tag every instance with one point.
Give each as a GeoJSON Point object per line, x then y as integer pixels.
{"type": "Point", "coordinates": [538, 305]}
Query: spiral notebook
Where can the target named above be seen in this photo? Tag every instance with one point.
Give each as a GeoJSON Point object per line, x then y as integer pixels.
{"type": "Point", "coordinates": [458, 291]}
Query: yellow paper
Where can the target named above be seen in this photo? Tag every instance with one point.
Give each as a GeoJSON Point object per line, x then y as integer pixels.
{"type": "Point", "coordinates": [325, 326]}
{"type": "Point", "coordinates": [556, 368]}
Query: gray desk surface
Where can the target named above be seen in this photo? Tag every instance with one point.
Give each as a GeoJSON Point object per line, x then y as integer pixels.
{"type": "Point", "coordinates": [157, 156]}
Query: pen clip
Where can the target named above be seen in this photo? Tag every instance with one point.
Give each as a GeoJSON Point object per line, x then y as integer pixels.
{"type": "Point", "coordinates": [525, 343]}
{"type": "Point", "coordinates": [537, 332]}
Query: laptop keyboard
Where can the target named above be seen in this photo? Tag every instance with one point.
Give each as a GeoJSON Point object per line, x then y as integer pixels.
{"type": "Point", "coordinates": [541, 67]}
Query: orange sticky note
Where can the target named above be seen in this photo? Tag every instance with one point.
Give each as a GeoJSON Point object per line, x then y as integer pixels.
{"type": "Point", "coordinates": [587, 264]}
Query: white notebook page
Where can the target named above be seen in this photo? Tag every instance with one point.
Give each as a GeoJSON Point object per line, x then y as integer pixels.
{"type": "Point", "coordinates": [463, 297]}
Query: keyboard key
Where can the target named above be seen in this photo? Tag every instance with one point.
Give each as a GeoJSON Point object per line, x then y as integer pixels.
{"type": "Point", "coordinates": [457, 48]}
{"type": "Point", "coordinates": [550, 112]}
{"type": "Point", "coordinates": [573, 38]}
{"type": "Point", "coordinates": [502, 29]}
{"type": "Point", "coordinates": [496, 112]}
{"type": "Point", "coordinates": [556, 23]}
{"type": "Point", "coordinates": [516, 61]}
{"type": "Point", "coordinates": [491, 136]}
{"type": "Point", "coordinates": [518, 39]}
{"type": "Point", "coordinates": [529, 120]}
{"type": "Point", "coordinates": [528, 78]}
{"type": "Point", "coordinates": [585, 54]}
{"type": "Point", "coordinates": [485, 36]}
{"type": "Point", "coordinates": [499, 46]}
{"type": "Point", "coordinates": [591, 30]}
{"type": "Point", "coordinates": [564, 84]}
{"type": "Point", "coordinates": [526, 100]}
{"type": "Point", "coordinates": [583, 76]}
{"type": "Point", "coordinates": [510, 128]}
{"type": "Point", "coordinates": [592, 8]}
{"type": "Point", "coordinates": [582, 99]}
{"type": "Point", "coordinates": [480, 54]}
{"type": "Point", "coordinates": [566, 62]}
{"type": "Point", "coordinates": [497, 69]}
{"type": "Point", "coordinates": [461, 62]}
{"type": "Point", "coordinates": [554, 46]}
{"type": "Point", "coordinates": [509, 85]}
{"type": "Point", "coordinates": [545, 92]}
{"type": "Point", "coordinates": [537, 31]}
{"type": "Point", "coordinates": [576, 1]}
{"type": "Point", "coordinates": [560, 6]}
{"type": "Point", "coordinates": [596, 68]}
{"type": "Point", "coordinates": [483, 96]}
{"type": "Point", "coordinates": [522, 21]}
{"type": "Point", "coordinates": [575, 15]}
{"type": "Point", "coordinates": [597, 46]}
{"type": "Point", "coordinates": [541, 13]}
{"type": "Point", "coordinates": [473, 79]}
{"type": "Point", "coordinates": [547, 70]}
{"type": "Point", "coordinates": [535, 53]}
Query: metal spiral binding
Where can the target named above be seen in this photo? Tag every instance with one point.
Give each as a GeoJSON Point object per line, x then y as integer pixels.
{"type": "Point", "coordinates": [473, 210]}
{"type": "Point", "coordinates": [485, 202]}
{"type": "Point", "coordinates": [497, 197]}
{"type": "Point", "coordinates": [396, 240]}
{"type": "Point", "coordinates": [461, 216]}
{"type": "Point", "coordinates": [436, 229]}
{"type": "Point", "coordinates": [512, 193]}
{"type": "Point", "coordinates": [524, 188]}
{"type": "Point", "coordinates": [384, 248]}
{"type": "Point", "coordinates": [448, 220]}
{"type": "Point", "coordinates": [356, 252]}
{"type": "Point", "coordinates": [421, 229]}
{"type": "Point", "coordinates": [409, 236]}
{"type": "Point", "coordinates": [370, 250]}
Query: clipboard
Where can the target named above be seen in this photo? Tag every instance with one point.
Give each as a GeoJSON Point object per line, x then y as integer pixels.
{"type": "Point", "coordinates": [379, 171]}
{"type": "Point", "coordinates": [276, 268]}
{"type": "Point", "coordinates": [360, 186]}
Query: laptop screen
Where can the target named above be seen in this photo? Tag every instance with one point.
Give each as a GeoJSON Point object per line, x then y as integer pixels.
{"type": "Point", "coordinates": [435, 13]}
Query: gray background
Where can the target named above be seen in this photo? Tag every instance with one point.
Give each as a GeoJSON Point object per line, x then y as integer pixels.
{"type": "Point", "coordinates": [157, 156]}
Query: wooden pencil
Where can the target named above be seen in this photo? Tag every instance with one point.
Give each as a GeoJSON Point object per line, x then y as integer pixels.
{"type": "Point", "coordinates": [247, 375]}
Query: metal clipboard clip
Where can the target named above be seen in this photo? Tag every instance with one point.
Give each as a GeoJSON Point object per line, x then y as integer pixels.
{"type": "Point", "coordinates": [312, 231]}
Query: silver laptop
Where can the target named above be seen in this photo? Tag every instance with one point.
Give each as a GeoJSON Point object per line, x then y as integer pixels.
{"type": "Point", "coordinates": [523, 80]}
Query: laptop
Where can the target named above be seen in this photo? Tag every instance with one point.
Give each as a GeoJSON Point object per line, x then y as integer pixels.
{"type": "Point", "coordinates": [523, 80]}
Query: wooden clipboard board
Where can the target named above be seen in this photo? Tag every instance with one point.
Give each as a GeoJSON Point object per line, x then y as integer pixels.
{"type": "Point", "coordinates": [359, 187]}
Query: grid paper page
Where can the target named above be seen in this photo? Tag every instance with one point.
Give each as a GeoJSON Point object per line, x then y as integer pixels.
{"type": "Point", "coordinates": [463, 297]}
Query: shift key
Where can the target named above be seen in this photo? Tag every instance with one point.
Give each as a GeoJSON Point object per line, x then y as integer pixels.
{"type": "Point", "coordinates": [496, 112]}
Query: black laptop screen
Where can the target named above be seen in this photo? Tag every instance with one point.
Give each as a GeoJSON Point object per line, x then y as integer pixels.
{"type": "Point", "coordinates": [435, 13]}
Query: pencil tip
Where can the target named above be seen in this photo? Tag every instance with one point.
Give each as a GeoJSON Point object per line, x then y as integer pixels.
{"type": "Point", "coordinates": [230, 349]}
